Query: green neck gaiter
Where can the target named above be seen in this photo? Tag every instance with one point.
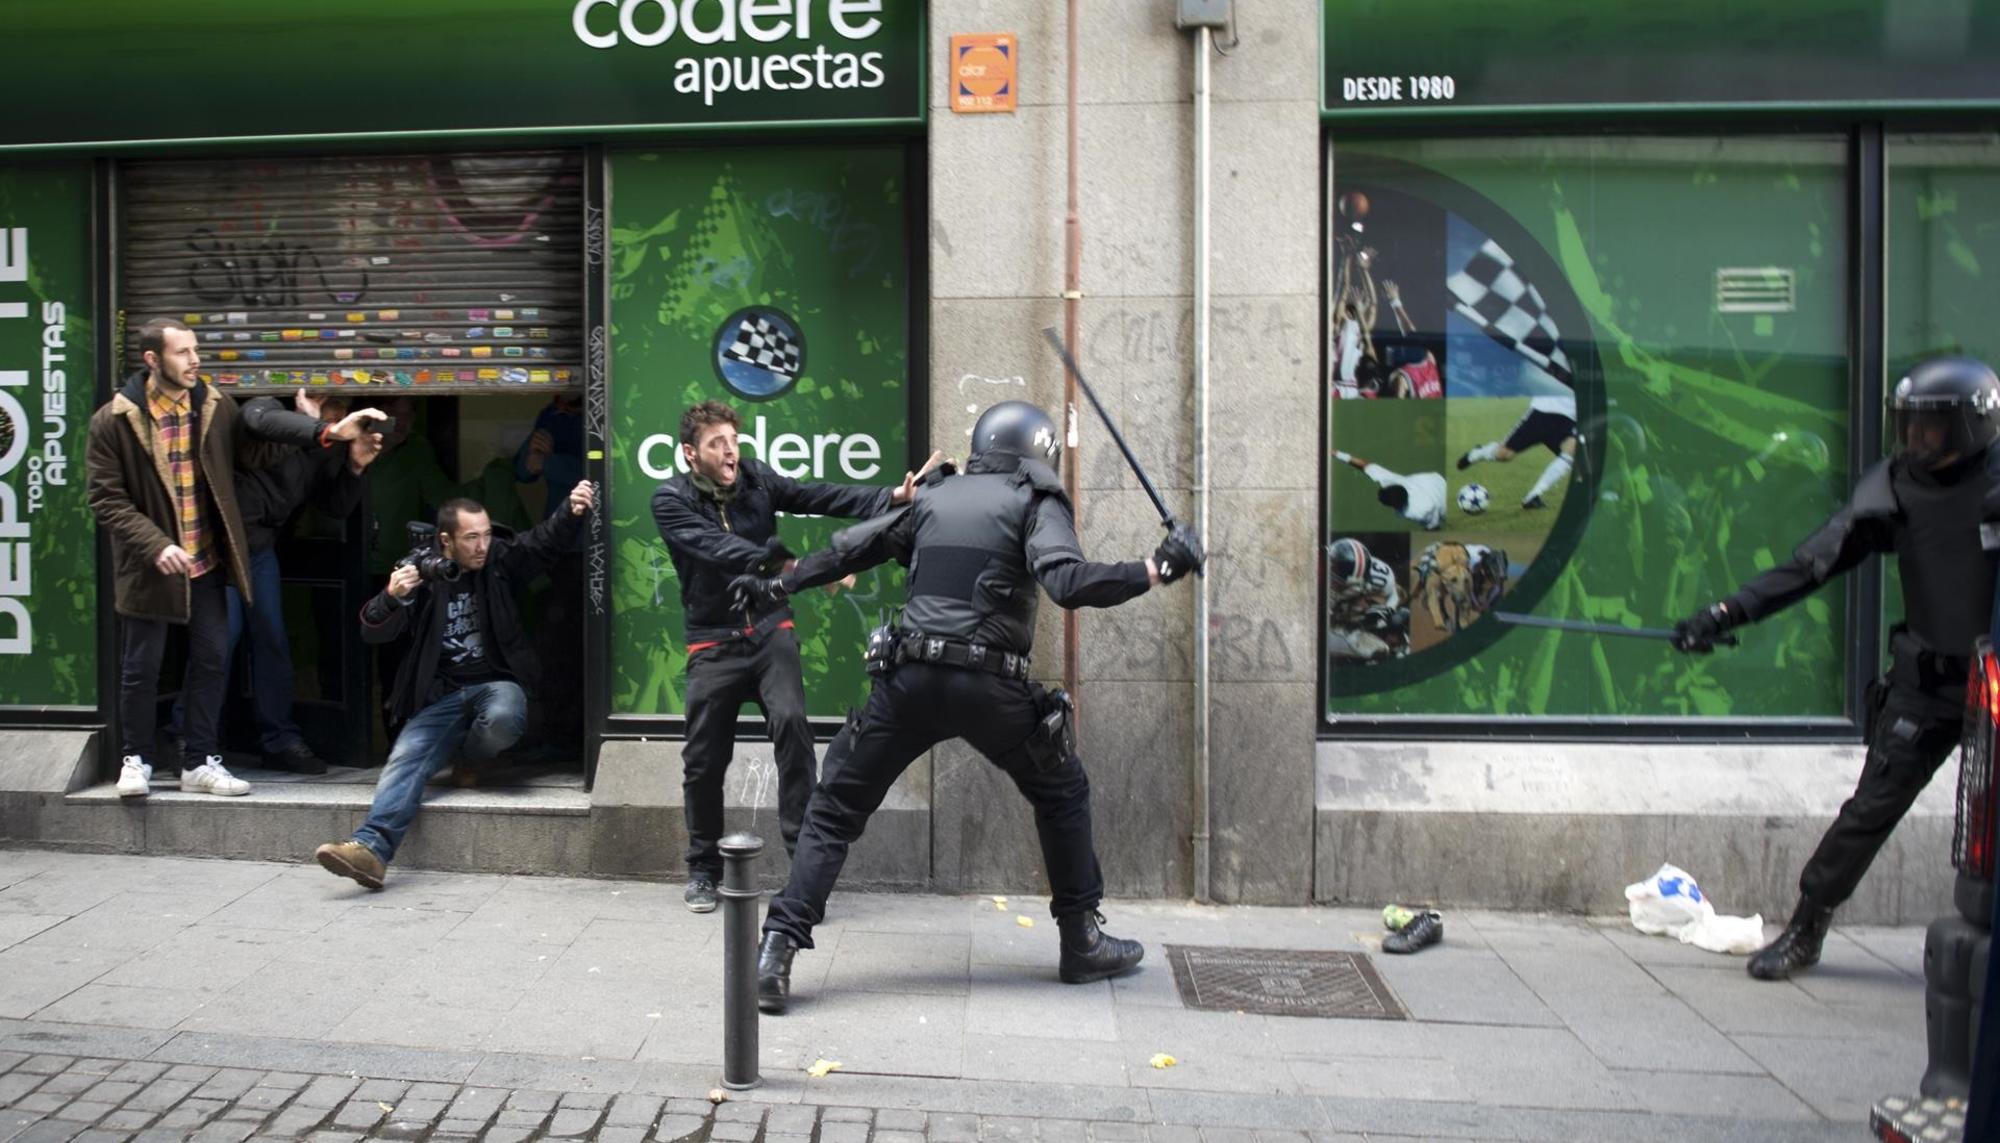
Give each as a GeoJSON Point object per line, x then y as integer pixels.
{"type": "Point", "coordinates": [709, 488]}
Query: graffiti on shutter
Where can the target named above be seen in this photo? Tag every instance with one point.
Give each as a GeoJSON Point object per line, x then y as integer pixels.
{"type": "Point", "coordinates": [454, 271]}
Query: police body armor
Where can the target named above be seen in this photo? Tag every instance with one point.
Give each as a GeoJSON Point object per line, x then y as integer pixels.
{"type": "Point", "coordinates": [969, 576]}
{"type": "Point", "coordinates": [971, 595]}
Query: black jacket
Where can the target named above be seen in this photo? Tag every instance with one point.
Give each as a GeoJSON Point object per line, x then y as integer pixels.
{"type": "Point", "coordinates": [1944, 529]}
{"type": "Point", "coordinates": [269, 496]}
{"type": "Point", "coordinates": [976, 545]}
{"type": "Point", "coordinates": [712, 544]}
{"type": "Point", "coordinates": [510, 563]}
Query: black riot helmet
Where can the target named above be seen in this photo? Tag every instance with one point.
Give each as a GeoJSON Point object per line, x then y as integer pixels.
{"type": "Point", "coordinates": [1347, 560]}
{"type": "Point", "coordinates": [1018, 427]}
{"type": "Point", "coordinates": [1944, 409]}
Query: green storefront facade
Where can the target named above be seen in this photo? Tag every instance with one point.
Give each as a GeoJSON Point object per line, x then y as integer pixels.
{"type": "Point", "coordinates": [473, 201]}
{"type": "Point", "coordinates": [1719, 233]}
{"type": "Point", "coordinates": [1654, 270]}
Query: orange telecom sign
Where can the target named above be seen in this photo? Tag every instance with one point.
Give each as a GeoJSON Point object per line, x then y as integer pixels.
{"type": "Point", "coordinates": [983, 71]}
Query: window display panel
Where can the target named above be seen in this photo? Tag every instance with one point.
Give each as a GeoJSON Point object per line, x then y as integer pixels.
{"type": "Point", "coordinates": [1580, 381]}
{"type": "Point", "coordinates": [1942, 189]}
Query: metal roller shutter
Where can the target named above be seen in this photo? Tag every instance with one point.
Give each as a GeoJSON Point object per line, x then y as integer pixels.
{"type": "Point", "coordinates": [450, 272]}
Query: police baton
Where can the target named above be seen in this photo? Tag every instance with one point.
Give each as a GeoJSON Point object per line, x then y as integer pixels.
{"type": "Point", "coordinates": [1166, 516]}
{"type": "Point", "coordinates": [1517, 619]}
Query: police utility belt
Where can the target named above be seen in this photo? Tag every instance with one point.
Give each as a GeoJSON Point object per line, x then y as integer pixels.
{"type": "Point", "coordinates": [887, 649]}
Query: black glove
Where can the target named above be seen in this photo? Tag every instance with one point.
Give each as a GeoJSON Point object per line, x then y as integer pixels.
{"type": "Point", "coordinates": [757, 591]}
{"type": "Point", "coordinates": [1179, 554]}
{"type": "Point", "coordinates": [1698, 633]}
{"type": "Point", "coordinates": [776, 556]}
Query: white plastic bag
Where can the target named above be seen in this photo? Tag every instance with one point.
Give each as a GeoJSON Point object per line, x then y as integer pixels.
{"type": "Point", "coordinates": [1670, 903]}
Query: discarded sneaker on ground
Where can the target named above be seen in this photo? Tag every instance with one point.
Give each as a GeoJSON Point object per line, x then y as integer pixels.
{"type": "Point", "coordinates": [1426, 928]}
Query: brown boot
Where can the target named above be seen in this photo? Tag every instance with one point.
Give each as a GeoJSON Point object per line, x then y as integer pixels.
{"type": "Point", "coordinates": [352, 859]}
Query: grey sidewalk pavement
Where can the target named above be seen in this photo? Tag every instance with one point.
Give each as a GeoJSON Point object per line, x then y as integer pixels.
{"type": "Point", "coordinates": [525, 1007]}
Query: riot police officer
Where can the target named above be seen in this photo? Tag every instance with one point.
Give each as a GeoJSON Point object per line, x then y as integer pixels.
{"type": "Point", "coordinates": [956, 665]}
{"type": "Point", "coordinates": [1936, 505]}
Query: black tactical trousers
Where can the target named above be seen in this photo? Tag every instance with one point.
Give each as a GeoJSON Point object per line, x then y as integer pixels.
{"type": "Point", "coordinates": [763, 670]}
{"type": "Point", "coordinates": [1918, 711]}
{"type": "Point", "coordinates": [912, 709]}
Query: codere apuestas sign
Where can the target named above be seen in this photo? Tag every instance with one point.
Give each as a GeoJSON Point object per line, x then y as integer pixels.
{"type": "Point", "coordinates": [570, 66]}
{"type": "Point", "coordinates": [783, 67]}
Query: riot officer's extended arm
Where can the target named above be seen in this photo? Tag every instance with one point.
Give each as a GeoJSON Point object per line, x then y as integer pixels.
{"type": "Point", "coordinates": [1860, 528]}
{"type": "Point", "coordinates": [863, 546]}
{"type": "Point", "coordinates": [1056, 558]}
{"type": "Point", "coordinates": [1840, 544]}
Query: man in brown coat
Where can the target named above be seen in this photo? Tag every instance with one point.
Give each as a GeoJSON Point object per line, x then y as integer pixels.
{"type": "Point", "coordinates": [162, 460]}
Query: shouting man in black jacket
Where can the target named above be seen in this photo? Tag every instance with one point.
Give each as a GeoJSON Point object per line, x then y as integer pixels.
{"type": "Point", "coordinates": [462, 687]}
{"type": "Point", "coordinates": [719, 521]}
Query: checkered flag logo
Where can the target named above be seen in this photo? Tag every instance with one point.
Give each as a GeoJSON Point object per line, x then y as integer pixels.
{"type": "Point", "coordinates": [762, 344]}
{"type": "Point", "coordinates": [1493, 295]}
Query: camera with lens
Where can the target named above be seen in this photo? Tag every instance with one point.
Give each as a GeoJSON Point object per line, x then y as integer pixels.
{"type": "Point", "coordinates": [431, 564]}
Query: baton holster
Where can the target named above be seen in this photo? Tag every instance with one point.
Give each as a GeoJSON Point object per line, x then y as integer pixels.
{"type": "Point", "coordinates": [1054, 739]}
{"type": "Point", "coordinates": [880, 656]}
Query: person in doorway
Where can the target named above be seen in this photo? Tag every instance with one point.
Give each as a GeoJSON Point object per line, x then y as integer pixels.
{"type": "Point", "coordinates": [463, 688]}
{"type": "Point", "coordinates": [719, 519]}
{"type": "Point", "coordinates": [162, 459]}
{"type": "Point", "coordinates": [553, 452]}
{"type": "Point", "coordinates": [1418, 498]}
{"type": "Point", "coordinates": [1549, 422]}
{"type": "Point", "coordinates": [553, 455]}
{"type": "Point", "coordinates": [406, 483]}
{"type": "Point", "coordinates": [956, 665]}
{"type": "Point", "coordinates": [1935, 504]}
{"type": "Point", "coordinates": [332, 482]}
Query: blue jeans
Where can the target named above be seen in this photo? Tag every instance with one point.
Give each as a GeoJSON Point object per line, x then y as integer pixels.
{"type": "Point", "coordinates": [479, 721]}
{"type": "Point", "coordinates": [270, 653]}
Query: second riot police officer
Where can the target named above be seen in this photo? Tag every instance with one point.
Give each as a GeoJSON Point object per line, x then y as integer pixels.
{"type": "Point", "coordinates": [1936, 505]}
{"type": "Point", "coordinates": [955, 665]}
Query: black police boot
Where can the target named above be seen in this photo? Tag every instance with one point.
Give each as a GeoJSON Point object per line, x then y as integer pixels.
{"type": "Point", "coordinates": [1089, 953]}
{"type": "Point", "coordinates": [1798, 946]}
{"type": "Point", "coordinates": [774, 972]}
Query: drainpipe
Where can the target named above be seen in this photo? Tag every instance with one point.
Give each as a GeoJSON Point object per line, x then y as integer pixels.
{"type": "Point", "coordinates": [1202, 877]}
{"type": "Point", "coordinates": [1072, 303]}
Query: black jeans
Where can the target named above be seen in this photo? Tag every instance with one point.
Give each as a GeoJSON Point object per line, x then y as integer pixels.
{"type": "Point", "coordinates": [911, 710]}
{"type": "Point", "coordinates": [143, 645]}
{"type": "Point", "coordinates": [720, 680]}
{"type": "Point", "coordinates": [1918, 714]}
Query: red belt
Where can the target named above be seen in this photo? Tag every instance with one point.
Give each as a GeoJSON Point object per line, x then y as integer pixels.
{"type": "Point", "coordinates": [697, 648]}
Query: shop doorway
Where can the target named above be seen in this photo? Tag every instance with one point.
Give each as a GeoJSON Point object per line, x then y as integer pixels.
{"type": "Point", "coordinates": [447, 290]}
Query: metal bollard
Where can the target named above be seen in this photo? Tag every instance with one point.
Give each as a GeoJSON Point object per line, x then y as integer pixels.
{"type": "Point", "coordinates": [739, 895]}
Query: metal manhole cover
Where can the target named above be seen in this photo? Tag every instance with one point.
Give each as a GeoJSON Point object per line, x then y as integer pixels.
{"type": "Point", "coordinates": [1283, 982]}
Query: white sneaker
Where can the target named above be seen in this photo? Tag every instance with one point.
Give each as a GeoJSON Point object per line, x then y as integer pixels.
{"type": "Point", "coordinates": [211, 778]}
{"type": "Point", "coordinates": [135, 777]}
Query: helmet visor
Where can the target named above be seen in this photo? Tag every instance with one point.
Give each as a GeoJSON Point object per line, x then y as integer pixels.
{"type": "Point", "coordinates": [1931, 434]}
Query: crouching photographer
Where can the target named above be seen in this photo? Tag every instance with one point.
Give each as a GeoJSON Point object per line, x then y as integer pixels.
{"type": "Point", "coordinates": [462, 690]}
